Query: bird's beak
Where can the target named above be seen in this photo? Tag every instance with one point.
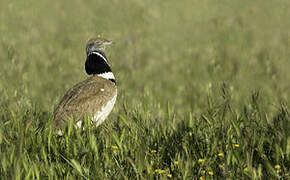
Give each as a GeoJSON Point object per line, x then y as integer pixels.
{"type": "Point", "coordinates": [108, 43]}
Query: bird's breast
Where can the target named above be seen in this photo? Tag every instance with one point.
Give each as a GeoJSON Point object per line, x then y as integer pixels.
{"type": "Point", "coordinates": [100, 116]}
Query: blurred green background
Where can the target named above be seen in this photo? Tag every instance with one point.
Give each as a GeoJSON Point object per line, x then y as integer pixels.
{"type": "Point", "coordinates": [172, 117]}
{"type": "Point", "coordinates": [178, 52]}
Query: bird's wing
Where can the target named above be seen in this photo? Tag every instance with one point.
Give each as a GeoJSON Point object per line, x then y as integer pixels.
{"type": "Point", "coordinates": [83, 99]}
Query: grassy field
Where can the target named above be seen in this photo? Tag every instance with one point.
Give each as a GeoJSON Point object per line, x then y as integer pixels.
{"type": "Point", "coordinates": [203, 89]}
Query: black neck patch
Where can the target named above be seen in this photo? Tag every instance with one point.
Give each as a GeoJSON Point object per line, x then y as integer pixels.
{"type": "Point", "coordinates": [96, 63]}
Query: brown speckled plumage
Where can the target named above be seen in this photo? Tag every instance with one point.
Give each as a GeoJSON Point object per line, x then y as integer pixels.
{"type": "Point", "coordinates": [85, 98]}
{"type": "Point", "coordinates": [93, 97]}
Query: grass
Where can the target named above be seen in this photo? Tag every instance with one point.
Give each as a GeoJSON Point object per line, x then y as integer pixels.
{"type": "Point", "coordinates": [203, 89]}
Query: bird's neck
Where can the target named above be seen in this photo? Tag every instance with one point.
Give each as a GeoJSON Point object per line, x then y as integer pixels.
{"type": "Point", "coordinates": [97, 64]}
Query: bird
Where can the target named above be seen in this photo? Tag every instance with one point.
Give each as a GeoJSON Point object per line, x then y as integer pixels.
{"type": "Point", "coordinates": [95, 96]}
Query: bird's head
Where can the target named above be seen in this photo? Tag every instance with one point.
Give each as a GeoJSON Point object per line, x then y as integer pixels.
{"type": "Point", "coordinates": [97, 44]}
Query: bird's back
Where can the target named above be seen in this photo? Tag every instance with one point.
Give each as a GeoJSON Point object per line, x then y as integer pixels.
{"type": "Point", "coordinates": [92, 97]}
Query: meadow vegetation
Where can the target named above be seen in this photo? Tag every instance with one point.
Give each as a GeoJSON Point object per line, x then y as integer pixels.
{"type": "Point", "coordinates": [203, 89]}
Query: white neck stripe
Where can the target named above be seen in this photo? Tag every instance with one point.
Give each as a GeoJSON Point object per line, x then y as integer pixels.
{"type": "Point", "coordinates": [99, 54]}
{"type": "Point", "coordinates": [107, 75]}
